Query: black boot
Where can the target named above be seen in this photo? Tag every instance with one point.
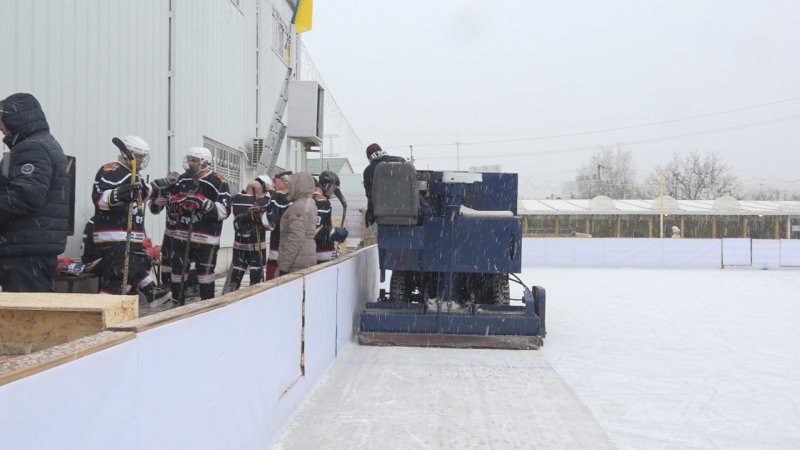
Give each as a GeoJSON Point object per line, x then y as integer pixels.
{"type": "Point", "coordinates": [153, 295]}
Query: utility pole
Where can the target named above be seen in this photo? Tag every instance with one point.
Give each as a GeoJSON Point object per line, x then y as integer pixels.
{"type": "Point", "coordinates": [411, 149]}
{"type": "Point", "coordinates": [661, 203]}
{"type": "Point", "coordinates": [458, 159]}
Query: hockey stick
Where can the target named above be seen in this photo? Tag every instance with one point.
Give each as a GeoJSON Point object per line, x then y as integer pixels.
{"type": "Point", "coordinates": [258, 238]}
{"type": "Point", "coordinates": [185, 261]}
{"type": "Point", "coordinates": [340, 196]}
{"type": "Point", "coordinates": [126, 260]}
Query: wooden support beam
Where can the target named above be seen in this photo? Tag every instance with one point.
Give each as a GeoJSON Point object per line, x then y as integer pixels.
{"type": "Point", "coordinates": [30, 322]}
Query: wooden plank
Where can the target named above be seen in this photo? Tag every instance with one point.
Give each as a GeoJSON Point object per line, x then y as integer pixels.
{"type": "Point", "coordinates": [450, 340]}
{"type": "Point", "coordinates": [31, 322]}
{"type": "Point", "coordinates": [192, 309]}
{"type": "Point", "coordinates": [18, 367]}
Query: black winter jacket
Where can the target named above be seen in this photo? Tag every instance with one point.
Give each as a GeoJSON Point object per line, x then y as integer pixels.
{"type": "Point", "coordinates": [34, 191]}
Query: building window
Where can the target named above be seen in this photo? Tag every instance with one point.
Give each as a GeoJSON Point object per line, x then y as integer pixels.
{"type": "Point", "coordinates": [227, 162]}
{"type": "Point", "coordinates": [280, 37]}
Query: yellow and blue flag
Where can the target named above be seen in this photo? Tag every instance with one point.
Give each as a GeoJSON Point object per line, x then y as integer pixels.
{"type": "Point", "coordinates": [301, 16]}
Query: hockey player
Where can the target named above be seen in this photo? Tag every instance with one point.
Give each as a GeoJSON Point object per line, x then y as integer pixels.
{"type": "Point", "coordinates": [251, 225]}
{"type": "Point", "coordinates": [327, 235]}
{"type": "Point", "coordinates": [278, 205]}
{"type": "Point", "coordinates": [114, 192]}
{"type": "Point", "coordinates": [201, 204]}
{"type": "Point", "coordinates": [158, 202]}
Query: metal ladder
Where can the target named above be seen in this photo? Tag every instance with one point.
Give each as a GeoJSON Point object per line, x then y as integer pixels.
{"type": "Point", "coordinates": [277, 130]}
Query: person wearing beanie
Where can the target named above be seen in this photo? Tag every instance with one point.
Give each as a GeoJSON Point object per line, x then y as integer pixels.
{"type": "Point", "coordinates": [376, 155]}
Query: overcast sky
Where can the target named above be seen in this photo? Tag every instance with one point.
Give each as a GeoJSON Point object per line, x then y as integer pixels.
{"type": "Point", "coordinates": [517, 73]}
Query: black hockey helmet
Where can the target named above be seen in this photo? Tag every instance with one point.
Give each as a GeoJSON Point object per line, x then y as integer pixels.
{"type": "Point", "coordinates": [328, 179]}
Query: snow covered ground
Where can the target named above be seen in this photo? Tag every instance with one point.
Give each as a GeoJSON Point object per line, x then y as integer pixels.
{"type": "Point", "coordinates": [634, 359]}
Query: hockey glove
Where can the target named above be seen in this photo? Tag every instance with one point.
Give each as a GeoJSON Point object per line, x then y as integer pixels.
{"type": "Point", "coordinates": [206, 205]}
{"type": "Point", "coordinates": [254, 214]}
{"type": "Point", "coordinates": [339, 234]}
{"type": "Point", "coordinates": [126, 193]}
{"type": "Point", "coordinates": [160, 184]}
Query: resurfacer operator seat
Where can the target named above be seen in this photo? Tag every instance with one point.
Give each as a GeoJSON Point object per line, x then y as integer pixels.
{"type": "Point", "coordinates": [395, 196]}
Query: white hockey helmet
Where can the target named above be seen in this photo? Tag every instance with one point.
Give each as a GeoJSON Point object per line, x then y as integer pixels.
{"type": "Point", "coordinates": [201, 153]}
{"type": "Point", "coordinates": [138, 147]}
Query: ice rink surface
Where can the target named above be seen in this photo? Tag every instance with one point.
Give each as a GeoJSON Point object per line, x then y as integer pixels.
{"type": "Point", "coordinates": [633, 359]}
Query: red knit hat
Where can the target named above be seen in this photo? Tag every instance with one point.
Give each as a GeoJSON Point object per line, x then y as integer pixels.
{"type": "Point", "coordinates": [374, 151]}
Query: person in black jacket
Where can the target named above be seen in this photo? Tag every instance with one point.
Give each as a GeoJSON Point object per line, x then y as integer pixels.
{"type": "Point", "coordinates": [34, 198]}
{"type": "Point", "coordinates": [376, 155]}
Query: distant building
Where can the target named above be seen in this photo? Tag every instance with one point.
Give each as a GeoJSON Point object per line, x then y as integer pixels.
{"type": "Point", "coordinates": [340, 166]}
{"type": "Point", "coordinates": [724, 217]}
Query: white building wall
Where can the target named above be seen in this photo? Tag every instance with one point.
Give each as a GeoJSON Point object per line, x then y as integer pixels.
{"type": "Point", "coordinates": [102, 69]}
{"type": "Point", "coordinates": [210, 74]}
{"type": "Point", "coordinates": [99, 70]}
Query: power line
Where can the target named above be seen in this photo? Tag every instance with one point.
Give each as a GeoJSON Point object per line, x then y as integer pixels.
{"type": "Point", "coordinates": [605, 130]}
{"type": "Point", "coordinates": [639, 141]}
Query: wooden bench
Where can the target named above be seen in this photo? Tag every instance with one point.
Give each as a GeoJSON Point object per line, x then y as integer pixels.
{"type": "Point", "coordinates": [86, 283]}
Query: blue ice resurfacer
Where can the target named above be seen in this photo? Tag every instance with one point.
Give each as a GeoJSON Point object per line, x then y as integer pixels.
{"type": "Point", "coordinates": [451, 240]}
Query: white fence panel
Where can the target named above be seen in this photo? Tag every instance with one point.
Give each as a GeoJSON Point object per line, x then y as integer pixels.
{"type": "Point", "coordinates": [736, 252]}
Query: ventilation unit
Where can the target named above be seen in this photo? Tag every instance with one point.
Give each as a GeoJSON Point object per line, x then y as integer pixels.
{"type": "Point", "coordinates": [256, 150]}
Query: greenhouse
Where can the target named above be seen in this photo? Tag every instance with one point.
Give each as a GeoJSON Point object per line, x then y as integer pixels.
{"type": "Point", "coordinates": [724, 217]}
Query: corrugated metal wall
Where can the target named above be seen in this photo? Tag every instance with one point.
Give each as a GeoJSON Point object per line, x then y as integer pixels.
{"type": "Point", "coordinates": [99, 70]}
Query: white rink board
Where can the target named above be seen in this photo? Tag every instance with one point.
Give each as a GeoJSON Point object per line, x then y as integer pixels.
{"type": "Point", "coordinates": [228, 377]}
{"type": "Point", "coordinates": [675, 253]}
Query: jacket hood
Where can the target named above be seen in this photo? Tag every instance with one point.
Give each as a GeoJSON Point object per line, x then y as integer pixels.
{"type": "Point", "coordinates": [23, 116]}
{"type": "Point", "coordinates": [300, 185]}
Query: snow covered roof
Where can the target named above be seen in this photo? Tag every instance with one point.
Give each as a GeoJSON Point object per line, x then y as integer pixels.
{"type": "Point", "coordinates": [725, 205]}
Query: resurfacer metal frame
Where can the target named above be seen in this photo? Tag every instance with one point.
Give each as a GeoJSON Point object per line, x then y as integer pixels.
{"type": "Point", "coordinates": [451, 239]}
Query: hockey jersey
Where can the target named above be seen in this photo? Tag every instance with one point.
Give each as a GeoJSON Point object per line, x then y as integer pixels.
{"type": "Point", "coordinates": [207, 227]}
{"type": "Point", "coordinates": [325, 246]}
{"type": "Point", "coordinates": [248, 232]}
{"type": "Point", "coordinates": [110, 219]}
{"type": "Point", "coordinates": [277, 206]}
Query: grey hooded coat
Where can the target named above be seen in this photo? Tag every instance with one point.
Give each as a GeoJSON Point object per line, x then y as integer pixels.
{"type": "Point", "coordinates": [298, 226]}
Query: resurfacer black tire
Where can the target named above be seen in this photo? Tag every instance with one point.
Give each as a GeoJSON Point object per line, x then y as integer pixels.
{"type": "Point", "coordinates": [398, 286]}
{"type": "Point", "coordinates": [500, 291]}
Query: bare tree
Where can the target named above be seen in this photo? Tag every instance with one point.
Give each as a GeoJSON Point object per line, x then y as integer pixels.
{"type": "Point", "coordinates": [770, 193]}
{"type": "Point", "coordinates": [609, 172]}
{"type": "Point", "coordinates": [694, 177]}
